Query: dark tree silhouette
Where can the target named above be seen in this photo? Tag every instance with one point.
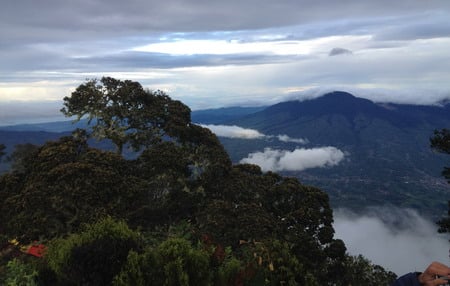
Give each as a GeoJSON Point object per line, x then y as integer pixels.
{"type": "Point", "coordinates": [125, 113]}
{"type": "Point", "coordinates": [441, 143]}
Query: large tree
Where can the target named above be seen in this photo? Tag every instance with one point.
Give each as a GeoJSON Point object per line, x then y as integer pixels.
{"type": "Point", "coordinates": [126, 113]}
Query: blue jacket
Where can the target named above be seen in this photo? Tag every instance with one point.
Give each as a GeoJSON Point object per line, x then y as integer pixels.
{"type": "Point", "coordinates": [410, 279]}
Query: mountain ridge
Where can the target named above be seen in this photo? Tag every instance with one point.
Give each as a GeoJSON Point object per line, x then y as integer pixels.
{"type": "Point", "coordinates": [389, 159]}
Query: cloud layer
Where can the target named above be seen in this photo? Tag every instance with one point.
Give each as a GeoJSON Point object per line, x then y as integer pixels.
{"type": "Point", "coordinates": [222, 53]}
{"type": "Point", "coordinates": [398, 239]}
{"type": "Point", "coordinates": [297, 160]}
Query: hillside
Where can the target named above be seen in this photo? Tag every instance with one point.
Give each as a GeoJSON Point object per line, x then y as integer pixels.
{"type": "Point", "coordinates": [388, 159]}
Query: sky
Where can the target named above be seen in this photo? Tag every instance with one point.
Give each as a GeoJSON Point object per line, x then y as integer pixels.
{"type": "Point", "coordinates": [215, 53]}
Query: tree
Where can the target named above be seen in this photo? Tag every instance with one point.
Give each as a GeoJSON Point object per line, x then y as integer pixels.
{"type": "Point", "coordinates": [441, 143]}
{"type": "Point", "coordinates": [125, 113]}
{"type": "Point", "coordinates": [93, 256]}
{"type": "Point", "coordinates": [2, 151]}
{"type": "Point", "coordinates": [22, 156]}
{"type": "Point", "coordinates": [62, 185]}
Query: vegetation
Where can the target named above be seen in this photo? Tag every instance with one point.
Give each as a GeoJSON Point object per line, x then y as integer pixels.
{"type": "Point", "coordinates": [441, 143]}
{"type": "Point", "coordinates": [2, 150]}
{"type": "Point", "coordinates": [178, 214]}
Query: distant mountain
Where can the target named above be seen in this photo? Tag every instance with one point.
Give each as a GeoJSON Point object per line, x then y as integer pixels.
{"type": "Point", "coordinates": [58, 126]}
{"type": "Point", "coordinates": [206, 116]}
{"type": "Point", "coordinates": [13, 138]}
{"type": "Point", "coordinates": [387, 145]}
{"type": "Point", "coordinates": [220, 115]}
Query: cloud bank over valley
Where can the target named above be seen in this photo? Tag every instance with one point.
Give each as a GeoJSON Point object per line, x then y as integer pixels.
{"type": "Point", "coordinates": [400, 240]}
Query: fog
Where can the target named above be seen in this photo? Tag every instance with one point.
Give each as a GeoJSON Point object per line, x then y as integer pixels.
{"type": "Point", "coordinates": [400, 240]}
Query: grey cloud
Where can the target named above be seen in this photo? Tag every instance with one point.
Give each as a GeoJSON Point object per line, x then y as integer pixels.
{"type": "Point", "coordinates": [400, 240]}
{"type": "Point", "coordinates": [50, 19]}
{"type": "Point", "coordinates": [426, 26]}
{"type": "Point", "coordinates": [94, 35]}
{"type": "Point", "coordinates": [133, 60]}
{"type": "Point", "coordinates": [339, 51]}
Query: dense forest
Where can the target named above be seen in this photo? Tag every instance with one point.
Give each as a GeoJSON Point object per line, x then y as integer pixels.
{"type": "Point", "coordinates": [180, 213]}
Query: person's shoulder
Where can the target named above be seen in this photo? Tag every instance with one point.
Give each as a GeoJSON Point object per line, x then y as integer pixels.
{"type": "Point", "coordinates": [410, 279]}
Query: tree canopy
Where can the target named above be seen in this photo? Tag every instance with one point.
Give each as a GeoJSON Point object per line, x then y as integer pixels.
{"type": "Point", "coordinates": [125, 113]}
{"type": "Point", "coordinates": [2, 150]}
{"type": "Point", "coordinates": [441, 143]}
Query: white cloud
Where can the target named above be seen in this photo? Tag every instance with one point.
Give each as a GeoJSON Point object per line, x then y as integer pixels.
{"type": "Point", "coordinates": [297, 160]}
{"type": "Point", "coordinates": [400, 240]}
{"type": "Point", "coordinates": [234, 131]}
{"type": "Point", "coordinates": [224, 47]}
{"type": "Point", "coordinates": [286, 138]}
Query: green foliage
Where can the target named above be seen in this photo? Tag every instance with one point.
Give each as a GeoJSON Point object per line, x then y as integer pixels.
{"type": "Point", "coordinates": [22, 156]}
{"type": "Point", "coordinates": [276, 263]}
{"type": "Point", "coordinates": [360, 271]}
{"type": "Point", "coordinates": [2, 151]}
{"type": "Point", "coordinates": [65, 184]}
{"type": "Point", "coordinates": [19, 273]}
{"type": "Point", "coordinates": [441, 142]}
{"type": "Point", "coordinates": [229, 270]}
{"type": "Point", "coordinates": [173, 262]}
{"type": "Point", "coordinates": [94, 256]}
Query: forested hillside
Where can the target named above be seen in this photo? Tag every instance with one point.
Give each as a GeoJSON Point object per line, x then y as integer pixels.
{"type": "Point", "coordinates": [388, 159]}
{"type": "Point", "coordinates": [178, 214]}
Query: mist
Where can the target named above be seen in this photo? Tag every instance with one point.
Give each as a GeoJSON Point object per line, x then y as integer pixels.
{"type": "Point", "coordinates": [400, 240]}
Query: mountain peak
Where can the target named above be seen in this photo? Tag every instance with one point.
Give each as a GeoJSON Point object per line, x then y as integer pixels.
{"type": "Point", "coordinates": [341, 97]}
{"type": "Point", "coordinates": [339, 94]}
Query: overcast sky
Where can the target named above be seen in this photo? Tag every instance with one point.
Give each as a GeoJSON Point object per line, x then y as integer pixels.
{"type": "Point", "coordinates": [220, 53]}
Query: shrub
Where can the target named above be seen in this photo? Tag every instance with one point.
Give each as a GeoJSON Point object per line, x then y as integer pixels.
{"type": "Point", "coordinates": [94, 256]}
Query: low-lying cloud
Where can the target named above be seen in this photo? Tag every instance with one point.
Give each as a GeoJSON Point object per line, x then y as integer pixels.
{"type": "Point", "coordinates": [400, 240]}
{"type": "Point", "coordinates": [285, 138]}
{"type": "Point", "coordinates": [233, 131]}
{"type": "Point", "coordinates": [297, 160]}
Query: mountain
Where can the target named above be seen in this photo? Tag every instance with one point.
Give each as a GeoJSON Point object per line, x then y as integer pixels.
{"type": "Point", "coordinates": [216, 116]}
{"type": "Point", "coordinates": [57, 126]}
{"type": "Point", "coordinates": [388, 159]}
